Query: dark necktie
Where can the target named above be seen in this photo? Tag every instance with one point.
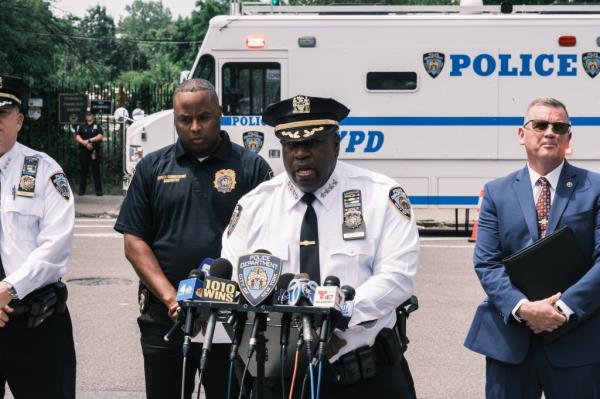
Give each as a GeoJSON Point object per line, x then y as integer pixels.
{"type": "Point", "coordinates": [309, 241]}
{"type": "Point", "coordinates": [542, 206]}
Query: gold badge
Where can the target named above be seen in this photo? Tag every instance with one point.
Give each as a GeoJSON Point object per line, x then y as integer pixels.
{"type": "Point", "coordinates": [301, 105]}
{"type": "Point", "coordinates": [353, 219]}
{"type": "Point", "coordinates": [225, 180]}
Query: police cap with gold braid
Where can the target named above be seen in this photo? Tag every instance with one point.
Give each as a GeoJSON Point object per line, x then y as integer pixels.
{"type": "Point", "coordinates": [304, 118]}
{"type": "Point", "coordinates": [13, 91]}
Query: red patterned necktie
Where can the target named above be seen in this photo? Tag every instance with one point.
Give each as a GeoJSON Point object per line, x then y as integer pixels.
{"type": "Point", "coordinates": [542, 206]}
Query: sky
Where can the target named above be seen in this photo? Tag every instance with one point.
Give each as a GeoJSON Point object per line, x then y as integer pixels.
{"type": "Point", "coordinates": [116, 8]}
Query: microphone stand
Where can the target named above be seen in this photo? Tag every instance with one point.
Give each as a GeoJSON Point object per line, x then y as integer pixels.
{"type": "Point", "coordinates": [261, 354]}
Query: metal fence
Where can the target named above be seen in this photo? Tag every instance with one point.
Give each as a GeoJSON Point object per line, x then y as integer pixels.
{"type": "Point", "coordinates": [58, 140]}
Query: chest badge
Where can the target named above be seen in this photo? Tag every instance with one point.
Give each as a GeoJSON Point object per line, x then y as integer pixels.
{"type": "Point", "coordinates": [225, 180]}
{"type": "Point", "coordinates": [258, 275]}
{"type": "Point", "coordinates": [28, 173]}
{"type": "Point", "coordinates": [353, 227]}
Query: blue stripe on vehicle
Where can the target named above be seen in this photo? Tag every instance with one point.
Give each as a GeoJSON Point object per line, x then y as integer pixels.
{"type": "Point", "coordinates": [443, 200]}
{"type": "Point", "coordinates": [442, 121]}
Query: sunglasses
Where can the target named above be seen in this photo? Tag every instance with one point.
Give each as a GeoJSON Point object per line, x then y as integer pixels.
{"type": "Point", "coordinates": [540, 126]}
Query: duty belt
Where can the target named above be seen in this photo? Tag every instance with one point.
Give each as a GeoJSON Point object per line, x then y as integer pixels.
{"type": "Point", "coordinates": [41, 304]}
{"type": "Point", "coordinates": [363, 363]}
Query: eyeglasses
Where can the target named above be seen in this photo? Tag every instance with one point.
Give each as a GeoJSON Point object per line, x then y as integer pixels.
{"type": "Point", "coordinates": [540, 126]}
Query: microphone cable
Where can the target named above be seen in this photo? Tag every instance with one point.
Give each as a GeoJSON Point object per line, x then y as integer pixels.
{"type": "Point", "coordinates": [296, 360]}
{"type": "Point", "coordinates": [242, 387]}
{"type": "Point", "coordinates": [282, 357]}
{"type": "Point", "coordinates": [230, 379]}
{"type": "Point", "coordinates": [319, 379]}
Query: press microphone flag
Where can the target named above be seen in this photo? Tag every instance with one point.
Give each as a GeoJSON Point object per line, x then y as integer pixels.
{"type": "Point", "coordinates": [190, 289]}
{"type": "Point", "coordinates": [258, 274]}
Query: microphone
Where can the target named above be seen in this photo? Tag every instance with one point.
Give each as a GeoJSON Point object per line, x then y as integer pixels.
{"type": "Point", "coordinates": [262, 259]}
{"type": "Point", "coordinates": [301, 293]}
{"type": "Point", "coordinates": [205, 266]}
{"type": "Point", "coordinates": [280, 297]}
{"type": "Point", "coordinates": [329, 296]}
{"type": "Point", "coordinates": [189, 289]}
{"type": "Point", "coordinates": [348, 306]}
{"type": "Point", "coordinates": [218, 287]}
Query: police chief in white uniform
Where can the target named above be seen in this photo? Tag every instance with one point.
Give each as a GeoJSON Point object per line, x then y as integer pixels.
{"type": "Point", "coordinates": [367, 236]}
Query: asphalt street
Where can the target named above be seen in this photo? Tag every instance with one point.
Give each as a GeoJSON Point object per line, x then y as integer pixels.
{"type": "Point", "coordinates": [102, 301]}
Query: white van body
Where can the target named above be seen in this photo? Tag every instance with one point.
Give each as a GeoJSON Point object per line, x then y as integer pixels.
{"type": "Point", "coordinates": [436, 95]}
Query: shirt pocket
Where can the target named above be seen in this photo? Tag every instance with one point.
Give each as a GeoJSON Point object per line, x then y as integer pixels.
{"type": "Point", "coordinates": [351, 261]}
{"type": "Point", "coordinates": [22, 216]}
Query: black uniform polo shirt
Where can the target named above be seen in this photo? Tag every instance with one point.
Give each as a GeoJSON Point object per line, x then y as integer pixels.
{"type": "Point", "coordinates": [87, 132]}
{"type": "Point", "coordinates": [181, 206]}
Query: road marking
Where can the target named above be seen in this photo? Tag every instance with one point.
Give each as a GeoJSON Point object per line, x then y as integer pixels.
{"type": "Point", "coordinates": [100, 235]}
{"type": "Point", "coordinates": [443, 239]}
{"type": "Point", "coordinates": [447, 246]}
{"type": "Point", "coordinates": [93, 226]}
{"type": "Point", "coordinates": [98, 220]}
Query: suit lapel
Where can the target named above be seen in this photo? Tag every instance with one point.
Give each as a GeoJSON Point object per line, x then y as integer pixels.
{"type": "Point", "coordinates": [522, 187]}
{"type": "Point", "coordinates": [567, 182]}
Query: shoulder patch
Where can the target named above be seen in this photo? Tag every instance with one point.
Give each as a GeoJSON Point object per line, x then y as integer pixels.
{"type": "Point", "coordinates": [235, 217]}
{"type": "Point", "coordinates": [400, 200]}
{"type": "Point", "coordinates": [61, 184]}
{"type": "Point", "coordinates": [269, 175]}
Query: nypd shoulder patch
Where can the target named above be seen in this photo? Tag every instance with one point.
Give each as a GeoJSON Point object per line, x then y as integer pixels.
{"type": "Point", "coordinates": [400, 200]}
{"type": "Point", "coordinates": [61, 184]}
{"type": "Point", "coordinates": [235, 217]}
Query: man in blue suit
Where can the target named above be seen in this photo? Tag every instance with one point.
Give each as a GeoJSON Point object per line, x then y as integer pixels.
{"type": "Point", "coordinates": [517, 210]}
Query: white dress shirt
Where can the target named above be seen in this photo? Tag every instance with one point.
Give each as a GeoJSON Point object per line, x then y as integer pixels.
{"type": "Point", "coordinates": [552, 178]}
{"type": "Point", "coordinates": [381, 267]}
{"type": "Point", "coordinates": [36, 233]}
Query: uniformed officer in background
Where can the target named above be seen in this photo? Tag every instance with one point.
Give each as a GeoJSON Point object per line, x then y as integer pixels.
{"type": "Point", "coordinates": [37, 354]}
{"type": "Point", "coordinates": [89, 137]}
{"type": "Point", "coordinates": [173, 216]}
{"type": "Point", "coordinates": [328, 218]}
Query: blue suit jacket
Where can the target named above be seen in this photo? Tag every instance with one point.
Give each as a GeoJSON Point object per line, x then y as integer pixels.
{"type": "Point", "coordinates": [508, 223]}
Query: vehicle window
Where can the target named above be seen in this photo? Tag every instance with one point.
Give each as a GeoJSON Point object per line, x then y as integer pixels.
{"type": "Point", "coordinates": [206, 68]}
{"type": "Point", "coordinates": [392, 81]}
{"type": "Point", "coordinates": [249, 87]}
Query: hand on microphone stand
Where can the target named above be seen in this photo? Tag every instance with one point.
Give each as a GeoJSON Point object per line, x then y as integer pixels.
{"type": "Point", "coordinates": [334, 345]}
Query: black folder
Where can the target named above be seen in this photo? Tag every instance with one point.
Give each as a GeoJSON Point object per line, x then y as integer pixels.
{"type": "Point", "coordinates": [550, 265]}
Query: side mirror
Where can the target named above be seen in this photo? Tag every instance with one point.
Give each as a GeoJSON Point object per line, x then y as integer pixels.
{"type": "Point", "coordinates": [184, 75]}
{"type": "Point", "coordinates": [121, 115]}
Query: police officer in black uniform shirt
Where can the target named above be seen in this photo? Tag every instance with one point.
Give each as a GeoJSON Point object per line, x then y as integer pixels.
{"type": "Point", "coordinates": [89, 137]}
{"type": "Point", "coordinates": [176, 209]}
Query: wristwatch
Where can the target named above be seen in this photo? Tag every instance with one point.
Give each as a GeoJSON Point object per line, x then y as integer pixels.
{"type": "Point", "coordinates": [11, 290]}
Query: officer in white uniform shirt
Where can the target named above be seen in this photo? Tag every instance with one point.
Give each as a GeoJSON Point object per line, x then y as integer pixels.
{"type": "Point", "coordinates": [359, 227]}
{"type": "Point", "coordinates": [37, 354]}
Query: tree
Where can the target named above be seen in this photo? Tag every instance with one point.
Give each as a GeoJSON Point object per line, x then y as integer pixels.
{"type": "Point", "coordinates": [32, 37]}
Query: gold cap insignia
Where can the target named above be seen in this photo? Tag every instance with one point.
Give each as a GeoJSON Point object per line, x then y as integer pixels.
{"type": "Point", "coordinates": [301, 105]}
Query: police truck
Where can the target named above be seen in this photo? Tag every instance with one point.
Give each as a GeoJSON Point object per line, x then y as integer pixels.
{"type": "Point", "coordinates": [436, 93]}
